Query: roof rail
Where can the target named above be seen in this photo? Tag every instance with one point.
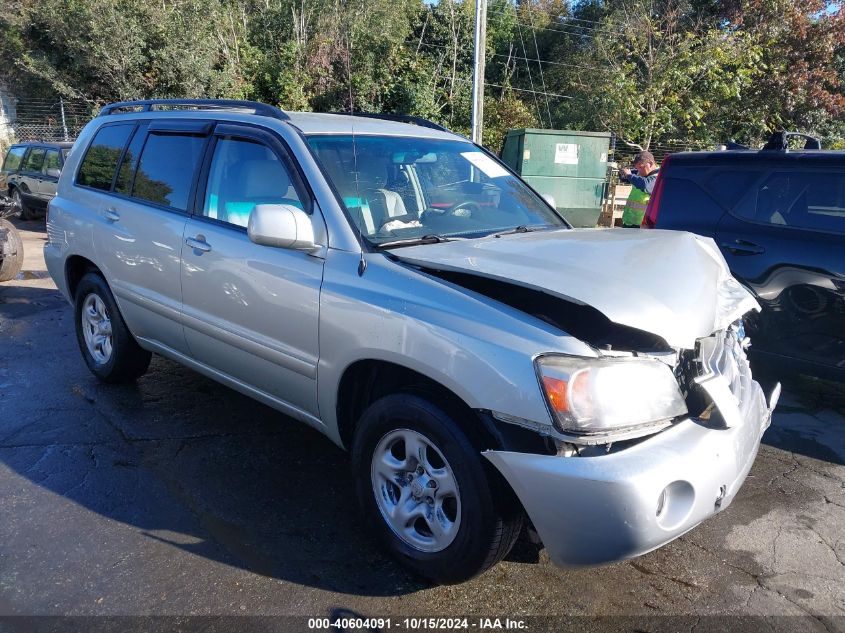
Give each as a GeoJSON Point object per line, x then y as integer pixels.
{"type": "Point", "coordinates": [147, 105]}
{"type": "Point", "coordinates": [779, 141]}
{"type": "Point", "coordinates": [401, 118]}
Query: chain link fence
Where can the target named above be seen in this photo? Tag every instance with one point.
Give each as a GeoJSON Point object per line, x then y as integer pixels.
{"type": "Point", "coordinates": [38, 119]}
{"type": "Point", "coordinates": [624, 155]}
{"type": "Point", "coordinates": [43, 119]}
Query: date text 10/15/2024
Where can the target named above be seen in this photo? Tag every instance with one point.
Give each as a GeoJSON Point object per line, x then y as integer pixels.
{"type": "Point", "coordinates": [416, 624]}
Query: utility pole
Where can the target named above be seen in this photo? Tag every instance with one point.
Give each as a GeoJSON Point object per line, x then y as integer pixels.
{"type": "Point", "coordinates": [478, 70]}
{"type": "Point", "coordinates": [64, 124]}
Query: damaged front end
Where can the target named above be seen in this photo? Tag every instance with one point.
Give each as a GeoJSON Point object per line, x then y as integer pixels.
{"type": "Point", "coordinates": [657, 429]}
{"type": "Point", "coordinates": [644, 456]}
{"type": "Point", "coordinates": [638, 384]}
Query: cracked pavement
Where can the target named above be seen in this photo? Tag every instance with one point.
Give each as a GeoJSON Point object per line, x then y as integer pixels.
{"type": "Point", "coordinates": [177, 496]}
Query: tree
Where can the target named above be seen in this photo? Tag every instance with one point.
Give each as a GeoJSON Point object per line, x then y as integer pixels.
{"type": "Point", "coordinates": [657, 72]}
{"type": "Point", "coordinates": [107, 50]}
{"type": "Point", "coordinates": [802, 45]}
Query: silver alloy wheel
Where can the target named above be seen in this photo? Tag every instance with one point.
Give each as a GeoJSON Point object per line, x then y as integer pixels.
{"type": "Point", "coordinates": [17, 203]}
{"type": "Point", "coordinates": [96, 328]}
{"type": "Point", "coordinates": [416, 490]}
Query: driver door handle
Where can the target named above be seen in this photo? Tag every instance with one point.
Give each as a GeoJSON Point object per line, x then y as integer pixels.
{"type": "Point", "coordinates": [198, 243]}
{"type": "Point", "coordinates": [743, 247]}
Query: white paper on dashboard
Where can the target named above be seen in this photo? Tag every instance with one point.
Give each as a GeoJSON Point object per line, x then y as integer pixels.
{"type": "Point", "coordinates": [487, 165]}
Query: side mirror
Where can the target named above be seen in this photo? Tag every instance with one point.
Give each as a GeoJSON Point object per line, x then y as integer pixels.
{"type": "Point", "coordinates": [282, 226]}
{"type": "Point", "coordinates": [550, 200]}
{"type": "Point", "coordinates": [54, 173]}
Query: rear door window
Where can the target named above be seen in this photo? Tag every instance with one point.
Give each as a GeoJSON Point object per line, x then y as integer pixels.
{"type": "Point", "coordinates": [34, 160]}
{"type": "Point", "coordinates": [167, 167]}
{"type": "Point", "coordinates": [686, 206]}
{"type": "Point", "coordinates": [52, 160]}
{"type": "Point", "coordinates": [14, 158]}
{"type": "Point", "coordinates": [807, 200]}
{"type": "Point", "coordinates": [729, 187]}
{"type": "Point", "coordinates": [130, 161]}
{"type": "Point", "coordinates": [100, 162]}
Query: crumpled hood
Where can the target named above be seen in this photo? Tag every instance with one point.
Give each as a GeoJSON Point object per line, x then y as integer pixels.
{"type": "Point", "coordinates": [674, 284]}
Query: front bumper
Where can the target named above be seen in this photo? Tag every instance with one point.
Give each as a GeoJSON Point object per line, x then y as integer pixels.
{"type": "Point", "coordinates": [607, 508]}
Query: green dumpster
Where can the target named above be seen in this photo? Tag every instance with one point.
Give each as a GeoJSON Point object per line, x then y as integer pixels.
{"type": "Point", "coordinates": [568, 165]}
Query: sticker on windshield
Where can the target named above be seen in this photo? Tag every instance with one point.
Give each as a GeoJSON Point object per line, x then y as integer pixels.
{"type": "Point", "coordinates": [487, 165]}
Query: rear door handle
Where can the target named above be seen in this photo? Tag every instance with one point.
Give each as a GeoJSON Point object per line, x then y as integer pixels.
{"type": "Point", "coordinates": [111, 215]}
{"type": "Point", "coordinates": [741, 247]}
{"type": "Point", "coordinates": [198, 243]}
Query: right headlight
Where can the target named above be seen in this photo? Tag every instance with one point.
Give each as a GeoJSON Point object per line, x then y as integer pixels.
{"type": "Point", "coordinates": [590, 396]}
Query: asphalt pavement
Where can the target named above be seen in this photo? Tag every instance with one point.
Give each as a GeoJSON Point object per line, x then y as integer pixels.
{"type": "Point", "coordinates": [176, 496]}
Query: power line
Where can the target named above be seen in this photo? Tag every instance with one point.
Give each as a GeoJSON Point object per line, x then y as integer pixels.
{"type": "Point", "coordinates": [489, 85]}
{"type": "Point", "coordinates": [603, 25]}
{"type": "Point", "coordinates": [542, 78]}
{"type": "Point", "coordinates": [530, 59]}
{"type": "Point", "coordinates": [594, 30]}
{"type": "Point", "coordinates": [528, 68]}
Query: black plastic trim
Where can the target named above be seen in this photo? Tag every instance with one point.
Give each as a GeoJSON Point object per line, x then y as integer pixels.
{"type": "Point", "coordinates": [148, 105]}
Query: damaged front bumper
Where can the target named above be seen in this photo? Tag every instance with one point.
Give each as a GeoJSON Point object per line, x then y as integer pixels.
{"type": "Point", "coordinates": [608, 508]}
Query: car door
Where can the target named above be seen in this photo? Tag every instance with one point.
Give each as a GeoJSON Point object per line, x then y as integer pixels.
{"type": "Point", "coordinates": [29, 177]}
{"type": "Point", "coordinates": [251, 311]}
{"type": "Point", "coordinates": [786, 241]}
{"type": "Point", "coordinates": [11, 165]}
{"type": "Point", "coordinates": [50, 176]}
{"type": "Point", "coordinates": [140, 221]}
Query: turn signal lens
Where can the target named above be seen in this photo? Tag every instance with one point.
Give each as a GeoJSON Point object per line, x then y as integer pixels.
{"type": "Point", "coordinates": [556, 392]}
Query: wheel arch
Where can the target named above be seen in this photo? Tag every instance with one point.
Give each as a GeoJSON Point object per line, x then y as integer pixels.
{"type": "Point", "coordinates": [76, 267]}
{"type": "Point", "coordinates": [365, 381]}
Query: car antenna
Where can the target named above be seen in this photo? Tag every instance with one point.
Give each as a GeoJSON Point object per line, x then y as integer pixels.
{"type": "Point", "coordinates": [362, 263]}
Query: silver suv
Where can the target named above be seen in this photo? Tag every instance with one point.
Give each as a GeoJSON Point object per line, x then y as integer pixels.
{"type": "Point", "coordinates": [401, 290]}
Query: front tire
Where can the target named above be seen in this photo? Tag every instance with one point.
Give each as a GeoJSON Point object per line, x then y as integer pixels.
{"type": "Point", "coordinates": [109, 349]}
{"type": "Point", "coordinates": [25, 211]}
{"type": "Point", "coordinates": [422, 486]}
{"type": "Point", "coordinates": [11, 244]}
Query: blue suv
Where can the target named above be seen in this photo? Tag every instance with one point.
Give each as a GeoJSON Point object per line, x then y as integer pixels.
{"type": "Point", "coordinates": [778, 216]}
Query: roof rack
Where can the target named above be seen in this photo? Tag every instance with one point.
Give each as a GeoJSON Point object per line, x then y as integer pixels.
{"type": "Point", "coordinates": [779, 141]}
{"type": "Point", "coordinates": [147, 105]}
{"type": "Point", "coordinates": [401, 118]}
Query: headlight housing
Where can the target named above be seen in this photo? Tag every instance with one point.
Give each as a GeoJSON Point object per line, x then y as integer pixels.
{"type": "Point", "coordinates": [599, 396]}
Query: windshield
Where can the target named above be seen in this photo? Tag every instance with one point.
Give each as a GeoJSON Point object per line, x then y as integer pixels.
{"type": "Point", "coordinates": [407, 188]}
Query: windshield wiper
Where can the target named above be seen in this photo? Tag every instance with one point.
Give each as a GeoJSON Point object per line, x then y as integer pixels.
{"type": "Point", "coordinates": [431, 238]}
{"type": "Point", "coordinates": [519, 229]}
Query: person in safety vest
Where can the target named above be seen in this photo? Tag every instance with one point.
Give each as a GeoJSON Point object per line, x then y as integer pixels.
{"type": "Point", "coordinates": [642, 179]}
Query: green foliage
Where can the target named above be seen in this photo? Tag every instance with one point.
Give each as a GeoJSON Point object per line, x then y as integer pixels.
{"type": "Point", "coordinates": [664, 74]}
{"type": "Point", "coordinates": [649, 70]}
{"type": "Point", "coordinates": [501, 115]}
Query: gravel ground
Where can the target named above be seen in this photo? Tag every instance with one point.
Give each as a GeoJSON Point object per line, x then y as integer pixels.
{"type": "Point", "coordinates": [178, 497]}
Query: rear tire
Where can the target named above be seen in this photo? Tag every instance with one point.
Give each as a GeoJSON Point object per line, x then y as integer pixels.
{"type": "Point", "coordinates": [11, 244]}
{"type": "Point", "coordinates": [422, 487]}
{"type": "Point", "coordinates": [109, 349]}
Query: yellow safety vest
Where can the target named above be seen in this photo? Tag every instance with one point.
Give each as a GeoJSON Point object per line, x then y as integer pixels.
{"type": "Point", "coordinates": [635, 207]}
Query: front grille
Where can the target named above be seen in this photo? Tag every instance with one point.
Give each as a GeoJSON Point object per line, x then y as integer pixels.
{"type": "Point", "coordinates": [721, 354]}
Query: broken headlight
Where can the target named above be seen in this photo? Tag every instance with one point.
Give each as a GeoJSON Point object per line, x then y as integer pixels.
{"type": "Point", "coordinates": [601, 395]}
